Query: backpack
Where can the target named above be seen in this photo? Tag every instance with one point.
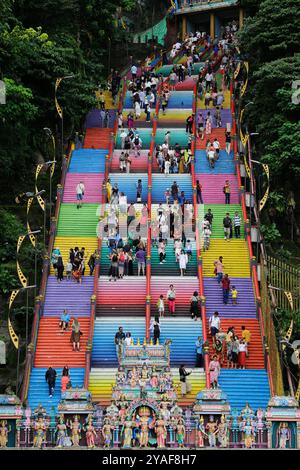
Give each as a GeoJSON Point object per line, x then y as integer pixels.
{"type": "Point", "coordinates": [136, 141]}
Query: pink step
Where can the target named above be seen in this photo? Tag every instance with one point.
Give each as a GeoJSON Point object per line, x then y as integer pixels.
{"type": "Point", "coordinates": [184, 287]}
{"type": "Point", "coordinates": [138, 164]}
{"type": "Point", "coordinates": [212, 188]}
{"type": "Point", "coordinates": [93, 187]}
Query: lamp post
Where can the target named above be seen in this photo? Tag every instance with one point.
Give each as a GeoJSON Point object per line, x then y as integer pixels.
{"type": "Point", "coordinates": [27, 288]}
{"type": "Point", "coordinates": [60, 109]}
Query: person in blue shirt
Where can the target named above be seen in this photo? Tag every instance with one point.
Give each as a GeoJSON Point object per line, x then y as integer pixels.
{"type": "Point", "coordinates": [199, 352]}
{"type": "Point", "coordinates": [64, 320]}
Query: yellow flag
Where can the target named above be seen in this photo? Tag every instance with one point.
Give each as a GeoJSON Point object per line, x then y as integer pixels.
{"type": "Point", "coordinates": [13, 335]}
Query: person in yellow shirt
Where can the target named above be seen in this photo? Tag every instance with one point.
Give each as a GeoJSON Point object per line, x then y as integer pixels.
{"type": "Point", "coordinates": [246, 335]}
{"type": "Point", "coordinates": [234, 295]}
{"type": "Point", "coordinates": [108, 189]}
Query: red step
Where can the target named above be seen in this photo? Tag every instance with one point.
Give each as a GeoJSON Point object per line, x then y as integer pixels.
{"type": "Point", "coordinates": [97, 138]}
{"type": "Point", "coordinates": [55, 349]}
{"type": "Point", "coordinates": [215, 133]}
{"type": "Point", "coordinates": [255, 360]}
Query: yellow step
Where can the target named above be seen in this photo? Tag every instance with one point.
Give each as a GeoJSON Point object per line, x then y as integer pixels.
{"type": "Point", "coordinates": [226, 103]}
{"type": "Point", "coordinates": [235, 258]}
{"type": "Point", "coordinates": [65, 243]}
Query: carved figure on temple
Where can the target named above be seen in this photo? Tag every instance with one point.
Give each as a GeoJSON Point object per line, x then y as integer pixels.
{"type": "Point", "coordinates": [90, 432]}
{"type": "Point", "coordinates": [133, 377]}
{"type": "Point", "coordinates": [122, 412]}
{"type": "Point", "coordinates": [40, 429]}
{"type": "Point", "coordinates": [260, 425]}
{"type": "Point", "coordinates": [4, 431]}
{"type": "Point", "coordinates": [247, 412]}
{"type": "Point", "coordinates": [180, 433]}
{"type": "Point", "coordinates": [212, 431]}
{"type": "Point", "coordinates": [121, 376]}
{"type": "Point", "coordinates": [284, 436]}
{"type": "Point", "coordinates": [107, 433]}
{"type": "Point", "coordinates": [27, 418]}
{"type": "Point", "coordinates": [136, 430]}
{"type": "Point", "coordinates": [145, 373]}
{"type": "Point", "coordinates": [161, 432]}
{"type": "Point", "coordinates": [75, 427]}
{"type": "Point", "coordinates": [248, 429]}
{"type": "Point", "coordinates": [61, 430]}
{"type": "Point", "coordinates": [200, 432]}
{"type": "Point", "coordinates": [128, 433]}
{"type": "Point", "coordinates": [165, 413]}
{"type": "Point", "coordinates": [154, 379]}
{"type": "Point", "coordinates": [146, 423]}
{"type": "Point", "coordinates": [223, 432]}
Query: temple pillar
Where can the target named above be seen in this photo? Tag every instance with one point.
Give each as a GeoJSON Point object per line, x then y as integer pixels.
{"type": "Point", "coordinates": [184, 26]}
{"type": "Point", "coordinates": [212, 26]}
{"type": "Point", "coordinates": [241, 17]}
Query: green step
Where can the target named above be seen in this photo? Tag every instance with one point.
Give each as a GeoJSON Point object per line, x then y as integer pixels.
{"type": "Point", "coordinates": [78, 222]}
{"type": "Point", "coordinates": [170, 267]}
{"type": "Point", "coordinates": [219, 212]}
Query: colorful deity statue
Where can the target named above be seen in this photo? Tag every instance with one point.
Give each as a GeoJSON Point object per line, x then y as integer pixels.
{"type": "Point", "coordinates": [200, 432]}
{"type": "Point", "coordinates": [90, 432]}
{"type": "Point", "coordinates": [145, 373]}
{"type": "Point", "coordinates": [284, 436]}
{"type": "Point", "coordinates": [212, 431]}
{"type": "Point", "coordinates": [40, 430]}
{"type": "Point", "coordinates": [128, 433]}
{"type": "Point", "coordinates": [234, 426]}
{"type": "Point", "coordinates": [154, 379]}
{"type": "Point", "coordinates": [146, 423]}
{"type": "Point", "coordinates": [247, 413]}
{"type": "Point", "coordinates": [107, 433]}
{"type": "Point", "coordinates": [133, 377]}
{"type": "Point", "coordinates": [75, 427]}
{"type": "Point", "coordinates": [121, 376]}
{"type": "Point", "coordinates": [4, 431]}
{"type": "Point", "coordinates": [165, 413]}
{"type": "Point", "coordinates": [223, 432]}
{"type": "Point", "coordinates": [27, 423]}
{"type": "Point", "coordinates": [122, 412]}
{"type": "Point", "coordinates": [61, 430]}
{"type": "Point", "coordinates": [161, 432]}
{"type": "Point", "coordinates": [248, 428]}
{"type": "Point", "coordinates": [260, 425]}
{"type": "Point", "coordinates": [180, 433]}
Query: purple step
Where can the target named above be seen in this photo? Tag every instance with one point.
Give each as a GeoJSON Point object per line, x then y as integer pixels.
{"type": "Point", "coordinates": [225, 115]}
{"type": "Point", "coordinates": [93, 119]}
{"type": "Point", "coordinates": [245, 307]}
{"type": "Point", "coordinates": [70, 295]}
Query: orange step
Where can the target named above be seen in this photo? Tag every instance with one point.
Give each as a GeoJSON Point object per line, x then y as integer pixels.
{"type": "Point", "coordinates": [255, 359]}
{"type": "Point", "coordinates": [215, 133]}
{"type": "Point", "coordinates": [54, 347]}
{"type": "Point", "coordinates": [97, 138]}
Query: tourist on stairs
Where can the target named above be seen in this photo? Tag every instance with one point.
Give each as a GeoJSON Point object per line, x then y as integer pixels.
{"type": "Point", "coordinates": [50, 378]}
{"type": "Point", "coordinates": [199, 352]}
{"type": "Point", "coordinates": [227, 225]}
{"type": "Point", "coordinates": [226, 191]}
{"type": "Point", "coordinates": [171, 296]}
{"type": "Point", "coordinates": [194, 307]}
{"type": "Point", "coordinates": [161, 306]}
{"type": "Point", "coordinates": [185, 384]}
{"type": "Point", "coordinates": [64, 320]}
{"type": "Point", "coordinates": [219, 269]}
{"type": "Point", "coordinates": [75, 335]}
{"type": "Point", "coordinates": [214, 371]}
{"type": "Point", "coordinates": [242, 354]}
{"type": "Point", "coordinates": [246, 335]}
{"type": "Point", "coordinates": [226, 287]}
{"type": "Point", "coordinates": [80, 189]}
{"type": "Point", "coordinates": [119, 339]}
{"type": "Point", "coordinates": [215, 326]}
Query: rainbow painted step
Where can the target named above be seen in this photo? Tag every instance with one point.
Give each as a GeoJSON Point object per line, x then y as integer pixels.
{"type": "Point", "coordinates": [93, 187]}
{"type": "Point", "coordinates": [88, 161]}
{"type": "Point", "coordinates": [76, 298]}
{"type": "Point", "coordinates": [225, 165]}
{"type": "Point", "coordinates": [219, 211]}
{"type": "Point", "coordinates": [81, 222]}
{"type": "Point", "coordinates": [212, 188]}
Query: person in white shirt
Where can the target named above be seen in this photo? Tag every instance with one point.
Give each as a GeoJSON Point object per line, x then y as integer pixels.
{"type": "Point", "coordinates": [183, 260]}
{"type": "Point", "coordinates": [215, 326]}
{"type": "Point", "coordinates": [211, 157]}
{"type": "Point", "coordinates": [80, 189]}
{"type": "Point", "coordinates": [167, 166]}
{"type": "Point", "coordinates": [133, 72]}
{"type": "Point", "coordinates": [128, 339]}
{"type": "Point", "coordinates": [123, 136]}
{"type": "Point", "coordinates": [178, 45]}
{"type": "Point", "coordinates": [216, 146]}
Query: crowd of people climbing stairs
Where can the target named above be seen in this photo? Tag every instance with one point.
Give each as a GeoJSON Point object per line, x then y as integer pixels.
{"type": "Point", "coordinates": [172, 220]}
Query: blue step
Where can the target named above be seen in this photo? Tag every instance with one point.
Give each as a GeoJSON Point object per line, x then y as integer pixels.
{"type": "Point", "coordinates": [224, 165]}
{"type": "Point", "coordinates": [126, 184]}
{"type": "Point", "coordinates": [245, 386]}
{"type": "Point", "coordinates": [183, 332]}
{"type": "Point", "coordinates": [39, 391]}
{"type": "Point", "coordinates": [104, 350]}
{"type": "Point", "coordinates": [162, 182]}
{"type": "Point", "coordinates": [180, 100]}
{"type": "Point", "coordinates": [88, 161]}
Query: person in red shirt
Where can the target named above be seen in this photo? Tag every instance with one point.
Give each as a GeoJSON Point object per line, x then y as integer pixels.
{"type": "Point", "coordinates": [226, 287]}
